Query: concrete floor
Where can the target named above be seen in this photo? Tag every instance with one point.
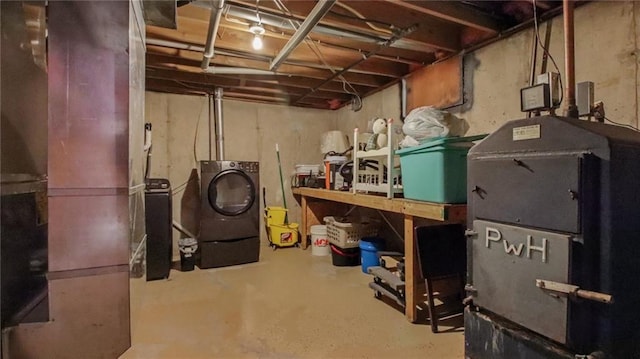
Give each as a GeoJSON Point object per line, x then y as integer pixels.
{"type": "Point", "coordinates": [289, 305]}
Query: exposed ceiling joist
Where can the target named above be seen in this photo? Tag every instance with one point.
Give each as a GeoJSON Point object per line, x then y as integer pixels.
{"type": "Point", "coordinates": [453, 12]}
{"type": "Point", "coordinates": [346, 54]}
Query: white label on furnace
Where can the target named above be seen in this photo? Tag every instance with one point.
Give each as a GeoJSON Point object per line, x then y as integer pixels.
{"type": "Point", "coordinates": [526, 132]}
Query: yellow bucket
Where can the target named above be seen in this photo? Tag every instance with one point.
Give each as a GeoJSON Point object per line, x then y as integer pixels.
{"type": "Point", "coordinates": [275, 215]}
{"type": "Point", "coordinates": [283, 235]}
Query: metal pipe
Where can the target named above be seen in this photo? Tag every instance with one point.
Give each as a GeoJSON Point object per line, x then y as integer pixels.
{"type": "Point", "coordinates": [211, 125]}
{"type": "Point", "coordinates": [174, 45]}
{"type": "Point", "coordinates": [214, 23]}
{"type": "Point", "coordinates": [569, 50]}
{"type": "Point", "coordinates": [321, 9]}
{"type": "Point", "coordinates": [218, 92]}
{"type": "Point", "coordinates": [279, 21]}
{"type": "Point", "coordinates": [366, 56]}
{"type": "Point", "coordinates": [534, 60]}
{"type": "Point", "coordinates": [240, 71]}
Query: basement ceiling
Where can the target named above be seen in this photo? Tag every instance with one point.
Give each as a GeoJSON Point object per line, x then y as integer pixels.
{"type": "Point", "coordinates": [356, 48]}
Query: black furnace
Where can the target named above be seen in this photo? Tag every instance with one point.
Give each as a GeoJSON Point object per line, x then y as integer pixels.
{"type": "Point", "coordinates": [554, 241]}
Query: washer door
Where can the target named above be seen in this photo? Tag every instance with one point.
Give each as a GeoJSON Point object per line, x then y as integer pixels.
{"type": "Point", "coordinates": [231, 193]}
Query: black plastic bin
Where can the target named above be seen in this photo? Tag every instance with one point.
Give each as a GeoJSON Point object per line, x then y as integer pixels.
{"type": "Point", "coordinates": [188, 248]}
{"type": "Point", "coordinates": [345, 257]}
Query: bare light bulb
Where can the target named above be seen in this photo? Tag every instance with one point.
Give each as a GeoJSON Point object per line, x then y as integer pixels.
{"type": "Point", "coordinates": [257, 42]}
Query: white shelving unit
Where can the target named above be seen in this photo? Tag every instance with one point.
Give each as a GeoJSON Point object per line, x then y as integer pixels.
{"type": "Point", "coordinates": [374, 180]}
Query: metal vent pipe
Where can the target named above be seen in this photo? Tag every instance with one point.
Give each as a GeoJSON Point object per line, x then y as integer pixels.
{"type": "Point", "coordinates": [219, 124]}
{"type": "Point", "coordinates": [309, 23]}
{"type": "Point", "coordinates": [212, 129]}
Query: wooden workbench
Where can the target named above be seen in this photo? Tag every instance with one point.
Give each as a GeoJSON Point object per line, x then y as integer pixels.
{"type": "Point", "coordinates": [318, 203]}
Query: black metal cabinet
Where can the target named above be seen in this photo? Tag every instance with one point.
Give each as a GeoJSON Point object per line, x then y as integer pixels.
{"type": "Point", "coordinates": [158, 222]}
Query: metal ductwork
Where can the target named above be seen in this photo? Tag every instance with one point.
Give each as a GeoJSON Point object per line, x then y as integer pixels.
{"type": "Point", "coordinates": [160, 13]}
{"type": "Point", "coordinates": [321, 9]}
{"type": "Point", "coordinates": [280, 21]}
{"type": "Point", "coordinates": [216, 124]}
{"type": "Point", "coordinates": [214, 24]}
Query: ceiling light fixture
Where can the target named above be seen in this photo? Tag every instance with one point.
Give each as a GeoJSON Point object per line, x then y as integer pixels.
{"type": "Point", "coordinates": [257, 30]}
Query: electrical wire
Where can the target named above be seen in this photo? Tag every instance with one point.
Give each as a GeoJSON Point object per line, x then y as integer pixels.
{"type": "Point", "coordinates": [189, 86]}
{"type": "Point", "coordinates": [356, 13]}
{"type": "Point", "coordinates": [316, 50]}
{"type": "Point", "coordinates": [537, 30]}
{"type": "Point", "coordinates": [258, 13]}
{"type": "Point", "coordinates": [181, 187]}
{"type": "Point", "coordinates": [622, 124]}
{"type": "Point", "coordinates": [360, 19]}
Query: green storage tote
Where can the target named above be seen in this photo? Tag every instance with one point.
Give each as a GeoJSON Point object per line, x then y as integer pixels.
{"type": "Point", "coordinates": [436, 171]}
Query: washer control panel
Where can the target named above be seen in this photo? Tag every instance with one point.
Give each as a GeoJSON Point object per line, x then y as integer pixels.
{"type": "Point", "coordinates": [216, 166]}
{"type": "Point", "coordinates": [252, 167]}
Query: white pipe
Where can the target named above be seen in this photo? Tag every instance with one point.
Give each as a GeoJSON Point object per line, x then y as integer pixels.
{"type": "Point", "coordinates": [240, 71]}
{"type": "Point", "coordinates": [214, 23]}
{"type": "Point", "coordinates": [280, 22]}
{"type": "Point", "coordinates": [321, 9]}
{"type": "Point", "coordinates": [147, 139]}
{"type": "Point", "coordinates": [174, 45]}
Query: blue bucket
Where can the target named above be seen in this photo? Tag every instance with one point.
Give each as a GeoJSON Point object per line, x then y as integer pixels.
{"type": "Point", "coordinates": [369, 247]}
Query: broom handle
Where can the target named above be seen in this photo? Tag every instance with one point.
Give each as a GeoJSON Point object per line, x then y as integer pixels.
{"type": "Point", "coordinates": [284, 198]}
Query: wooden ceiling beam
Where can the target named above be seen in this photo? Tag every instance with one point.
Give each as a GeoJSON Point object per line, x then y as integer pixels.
{"type": "Point", "coordinates": [439, 35]}
{"type": "Point", "coordinates": [210, 81]}
{"type": "Point", "coordinates": [231, 57]}
{"type": "Point", "coordinates": [165, 86]}
{"type": "Point", "coordinates": [353, 78]}
{"type": "Point", "coordinates": [453, 12]}
{"type": "Point", "coordinates": [432, 33]}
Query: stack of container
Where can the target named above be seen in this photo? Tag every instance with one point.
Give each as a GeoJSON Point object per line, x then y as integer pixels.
{"type": "Point", "coordinates": [436, 171]}
{"type": "Point", "coordinates": [344, 236]}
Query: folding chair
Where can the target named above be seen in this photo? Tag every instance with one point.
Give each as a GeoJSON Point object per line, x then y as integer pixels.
{"type": "Point", "coordinates": [442, 255]}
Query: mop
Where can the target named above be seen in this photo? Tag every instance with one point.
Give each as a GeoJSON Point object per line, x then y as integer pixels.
{"type": "Point", "coordinates": [286, 234]}
{"type": "Point", "coordinates": [284, 198]}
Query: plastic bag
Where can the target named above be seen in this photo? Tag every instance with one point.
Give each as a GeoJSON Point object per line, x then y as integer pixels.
{"type": "Point", "coordinates": [427, 122]}
{"type": "Point", "coordinates": [409, 141]}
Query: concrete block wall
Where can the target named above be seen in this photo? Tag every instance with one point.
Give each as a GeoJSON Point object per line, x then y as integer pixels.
{"type": "Point", "coordinates": [606, 47]}
{"type": "Point", "coordinates": [251, 131]}
{"type": "Point", "coordinates": [606, 53]}
{"type": "Point", "coordinates": [385, 104]}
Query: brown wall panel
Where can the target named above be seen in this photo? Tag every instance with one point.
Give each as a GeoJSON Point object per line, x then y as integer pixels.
{"type": "Point", "coordinates": [88, 95]}
{"type": "Point", "coordinates": [88, 231]}
{"type": "Point", "coordinates": [89, 319]}
{"type": "Point", "coordinates": [438, 85]}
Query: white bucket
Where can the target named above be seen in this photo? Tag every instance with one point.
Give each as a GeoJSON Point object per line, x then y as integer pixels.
{"type": "Point", "coordinates": [319, 241]}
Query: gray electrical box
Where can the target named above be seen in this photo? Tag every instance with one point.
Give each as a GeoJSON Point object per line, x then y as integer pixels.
{"type": "Point", "coordinates": [584, 97]}
{"type": "Point", "coordinates": [553, 80]}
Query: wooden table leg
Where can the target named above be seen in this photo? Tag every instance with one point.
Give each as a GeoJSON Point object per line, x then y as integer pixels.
{"type": "Point", "coordinates": [303, 228]}
{"type": "Point", "coordinates": [411, 270]}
